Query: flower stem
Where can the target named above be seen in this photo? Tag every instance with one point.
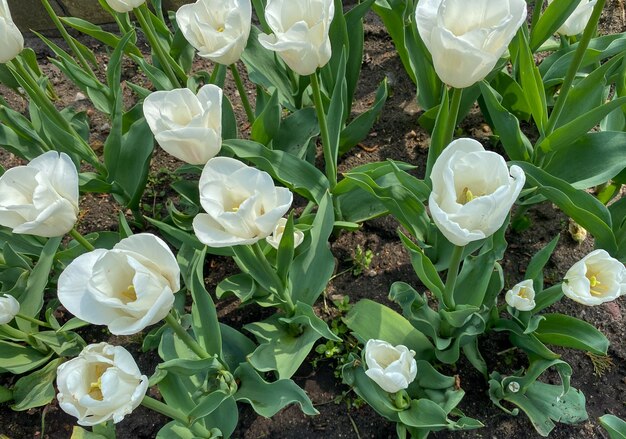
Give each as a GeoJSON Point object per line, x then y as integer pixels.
{"type": "Point", "coordinates": [330, 159]}
{"type": "Point", "coordinates": [242, 93]}
{"type": "Point", "coordinates": [185, 337]}
{"type": "Point", "coordinates": [171, 412]}
{"type": "Point", "coordinates": [33, 320]}
{"type": "Point", "coordinates": [590, 29]}
{"type": "Point", "coordinates": [12, 332]}
{"type": "Point", "coordinates": [457, 94]}
{"type": "Point", "coordinates": [453, 272]}
{"type": "Point", "coordinates": [81, 240]}
{"type": "Point", "coordinates": [281, 290]}
{"type": "Point", "coordinates": [140, 13]}
{"type": "Point", "coordinates": [68, 39]}
{"type": "Point", "coordinates": [215, 74]}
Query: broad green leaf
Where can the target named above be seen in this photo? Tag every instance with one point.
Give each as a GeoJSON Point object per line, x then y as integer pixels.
{"type": "Point", "coordinates": [267, 124]}
{"type": "Point", "coordinates": [99, 34]}
{"type": "Point", "coordinates": [532, 83]}
{"type": "Point", "coordinates": [615, 426]}
{"type": "Point", "coordinates": [424, 413]}
{"type": "Point", "coordinates": [423, 267]}
{"type": "Point", "coordinates": [267, 399]}
{"type": "Point", "coordinates": [383, 323]}
{"type": "Point", "coordinates": [534, 270]}
{"type": "Point", "coordinates": [562, 330]}
{"type": "Point", "coordinates": [296, 132]}
{"type": "Point", "coordinates": [36, 389]}
{"type": "Point", "coordinates": [236, 346]}
{"type": "Point", "coordinates": [552, 18]}
{"type": "Point", "coordinates": [208, 404]}
{"type": "Point", "coordinates": [18, 359]}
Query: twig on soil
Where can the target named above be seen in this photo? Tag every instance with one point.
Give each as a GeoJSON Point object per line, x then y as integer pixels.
{"type": "Point", "coordinates": [356, 430]}
{"type": "Point", "coordinates": [367, 148]}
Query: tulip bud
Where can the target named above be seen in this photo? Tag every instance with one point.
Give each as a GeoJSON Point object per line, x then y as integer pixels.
{"type": "Point", "coordinates": [9, 307]}
{"type": "Point", "coordinates": [576, 231]}
{"type": "Point", "coordinates": [11, 39]}
{"type": "Point", "coordinates": [218, 29]}
{"type": "Point", "coordinates": [185, 125]}
{"type": "Point", "coordinates": [300, 32]}
{"type": "Point", "coordinates": [577, 21]}
{"type": "Point", "coordinates": [472, 191]}
{"type": "Point", "coordinates": [102, 383]}
{"type": "Point", "coordinates": [40, 198]}
{"type": "Point", "coordinates": [277, 235]}
{"type": "Point", "coordinates": [122, 6]}
{"type": "Point", "coordinates": [521, 296]}
{"type": "Point", "coordinates": [126, 288]}
{"type": "Point", "coordinates": [466, 41]}
{"type": "Point", "coordinates": [242, 204]}
{"type": "Point", "coordinates": [595, 279]}
{"type": "Point", "coordinates": [392, 368]}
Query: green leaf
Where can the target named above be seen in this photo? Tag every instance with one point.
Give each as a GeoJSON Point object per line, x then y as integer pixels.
{"type": "Point", "coordinates": [36, 389]}
{"type": "Point", "coordinates": [236, 346]}
{"type": "Point", "coordinates": [570, 332]}
{"type": "Point", "coordinates": [532, 83]}
{"type": "Point", "coordinates": [615, 426]}
{"type": "Point", "coordinates": [267, 399]}
{"type": "Point", "coordinates": [208, 404]}
{"type": "Point", "coordinates": [424, 413]}
{"type": "Point", "coordinates": [296, 132]}
{"type": "Point", "coordinates": [534, 270]}
{"type": "Point", "coordinates": [424, 268]}
{"type": "Point", "coordinates": [371, 320]}
{"type": "Point", "coordinates": [298, 175]}
{"type": "Point", "coordinates": [552, 18]}
{"type": "Point", "coordinates": [18, 359]}
{"type": "Point", "coordinates": [267, 123]}
{"type": "Point", "coordinates": [99, 34]}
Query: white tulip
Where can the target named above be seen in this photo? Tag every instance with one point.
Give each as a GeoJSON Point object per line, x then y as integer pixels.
{"type": "Point", "coordinates": [126, 288]}
{"type": "Point", "coordinates": [521, 296]}
{"type": "Point", "coordinates": [102, 383]}
{"type": "Point", "coordinates": [218, 29]}
{"type": "Point", "coordinates": [277, 235]}
{"type": "Point", "coordinates": [467, 38]}
{"type": "Point", "coordinates": [472, 191]}
{"type": "Point", "coordinates": [242, 204]}
{"type": "Point", "coordinates": [577, 21]}
{"type": "Point", "coordinates": [393, 368]}
{"type": "Point", "coordinates": [40, 198]}
{"type": "Point", "coordinates": [185, 125]}
{"type": "Point", "coordinates": [9, 307]}
{"type": "Point", "coordinates": [595, 279]}
{"type": "Point", "coordinates": [11, 39]}
{"type": "Point", "coordinates": [300, 32]}
{"type": "Point", "coordinates": [122, 6]}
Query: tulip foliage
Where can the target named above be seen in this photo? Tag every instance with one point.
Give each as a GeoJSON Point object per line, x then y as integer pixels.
{"type": "Point", "coordinates": [236, 194]}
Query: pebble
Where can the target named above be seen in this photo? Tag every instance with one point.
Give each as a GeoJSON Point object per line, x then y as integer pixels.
{"type": "Point", "coordinates": [614, 310]}
{"type": "Point", "coordinates": [79, 97]}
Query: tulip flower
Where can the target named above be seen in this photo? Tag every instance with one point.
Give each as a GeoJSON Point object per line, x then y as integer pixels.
{"type": "Point", "coordinates": [242, 204]}
{"type": "Point", "coordinates": [218, 29]}
{"type": "Point", "coordinates": [102, 383]}
{"type": "Point", "coordinates": [9, 307]}
{"type": "Point", "coordinates": [300, 32]}
{"type": "Point", "coordinates": [521, 296]}
{"type": "Point", "coordinates": [11, 39]}
{"type": "Point", "coordinates": [577, 21]}
{"type": "Point", "coordinates": [472, 191]}
{"type": "Point", "coordinates": [393, 368]}
{"type": "Point", "coordinates": [40, 198]}
{"type": "Point", "coordinates": [277, 235]}
{"type": "Point", "coordinates": [466, 40]}
{"type": "Point", "coordinates": [185, 125]}
{"type": "Point", "coordinates": [126, 288]}
{"type": "Point", "coordinates": [595, 279]}
{"type": "Point", "coordinates": [122, 6]}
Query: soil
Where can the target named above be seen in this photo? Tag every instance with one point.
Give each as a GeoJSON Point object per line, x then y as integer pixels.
{"type": "Point", "coordinates": [398, 136]}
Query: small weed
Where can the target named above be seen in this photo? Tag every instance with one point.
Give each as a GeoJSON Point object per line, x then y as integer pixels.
{"type": "Point", "coordinates": [601, 363]}
{"type": "Point", "coordinates": [362, 260]}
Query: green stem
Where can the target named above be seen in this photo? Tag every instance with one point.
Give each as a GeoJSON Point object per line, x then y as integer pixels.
{"type": "Point", "coordinates": [329, 157]}
{"type": "Point", "coordinates": [174, 414]}
{"type": "Point", "coordinates": [242, 93]}
{"type": "Point", "coordinates": [281, 290]}
{"type": "Point", "coordinates": [590, 30]}
{"type": "Point", "coordinates": [455, 104]}
{"type": "Point", "coordinates": [185, 337]}
{"type": "Point", "coordinates": [81, 240]}
{"type": "Point", "coordinates": [68, 39]}
{"type": "Point", "coordinates": [33, 320]}
{"type": "Point", "coordinates": [536, 13]}
{"type": "Point", "coordinates": [12, 332]}
{"type": "Point", "coordinates": [41, 99]}
{"type": "Point", "coordinates": [140, 13]}
{"type": "Point", "coordinates": [215, 74]}
{"type": "Point", "coordinates": [453, 272]}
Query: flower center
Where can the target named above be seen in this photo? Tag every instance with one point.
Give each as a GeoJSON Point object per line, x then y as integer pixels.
{"type": "Point", "coordinates": [129, 294]}
{"type": "Point", "coordinates": [596, 287]}
{"type": "Point", "coordinates": [220, 29]}
{"type": "Point", "coordinates": [523, 293]}
{"type": "Point", "coordinates": [467, 196]}
{"type": "Point", "coordinates": [95, 388]}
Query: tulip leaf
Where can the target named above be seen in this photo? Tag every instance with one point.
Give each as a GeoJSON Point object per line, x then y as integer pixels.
{"type": "Point", "coordinates": [423, 266]}
{"type": "Point", "coordinates": [285, 252]}
{"type": "Point", "coordinates": [532, 83]}
{"type": "Point", "coordinates": [615, 426]}
{"type": "Point", "coordinates": [172, 430]}
{"type": "Point", "coordinates": [81, 433]}
{"type": "Point", "coordinates": [534, 270]}
{"type": "Point", "coordinates": [506, 125]}
{"type": "Point", "coordinates": [241, 285]}
{"type": "Point", "coordinates": [267, 123]}
{"type": "Point", "coordinates": [267, 399]}
{"type": "Point", "coordinates": [204, 315]}
{"type": "Point", "coordinates": [64, 344]}
{"type": "Point", "coordinates": [579, 205]}
{"type": "Point", "coordinates": [474, 278]}
{"type": "Point", "coordinates": [298, 175]}
{"type": "Point", "coordinates": [383, 323]}
{"type": "Point", "coordinates": [18, 359]}
{"type": "Point", "coordinates": [424, 413]}
{"type": "Point", "coordinates": [208, 404]}
{"type": "Point", "coordinates": [296, 131]}
{"type": "Point", "coordinates": [552, 18]}
{"type": "Point", "coordinates": [18, 136]}
{"type": "Point", "coordinates": [36, 389]}
{"type": "Point", "coordinates": [567, 331]}
{"type": "Point", "coordinates": [313, 267]}
{"type": "Point", "coordinates": [236, 346]}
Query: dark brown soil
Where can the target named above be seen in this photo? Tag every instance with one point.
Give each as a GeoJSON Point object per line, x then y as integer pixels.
{"type": "Point", "coordinates": [396, 135]}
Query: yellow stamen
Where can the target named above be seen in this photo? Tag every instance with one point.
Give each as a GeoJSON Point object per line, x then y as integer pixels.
{"type": "Point", "coordinates": [523, 293]}
{"type": "Point", "coordinates": [467, 196]}
{"type": "Point", "coordinates": [95, 388]}
{"type": "Point", "coordinates": [129, 295]}
{"type": "Point", "coordinates": [220, 29]}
